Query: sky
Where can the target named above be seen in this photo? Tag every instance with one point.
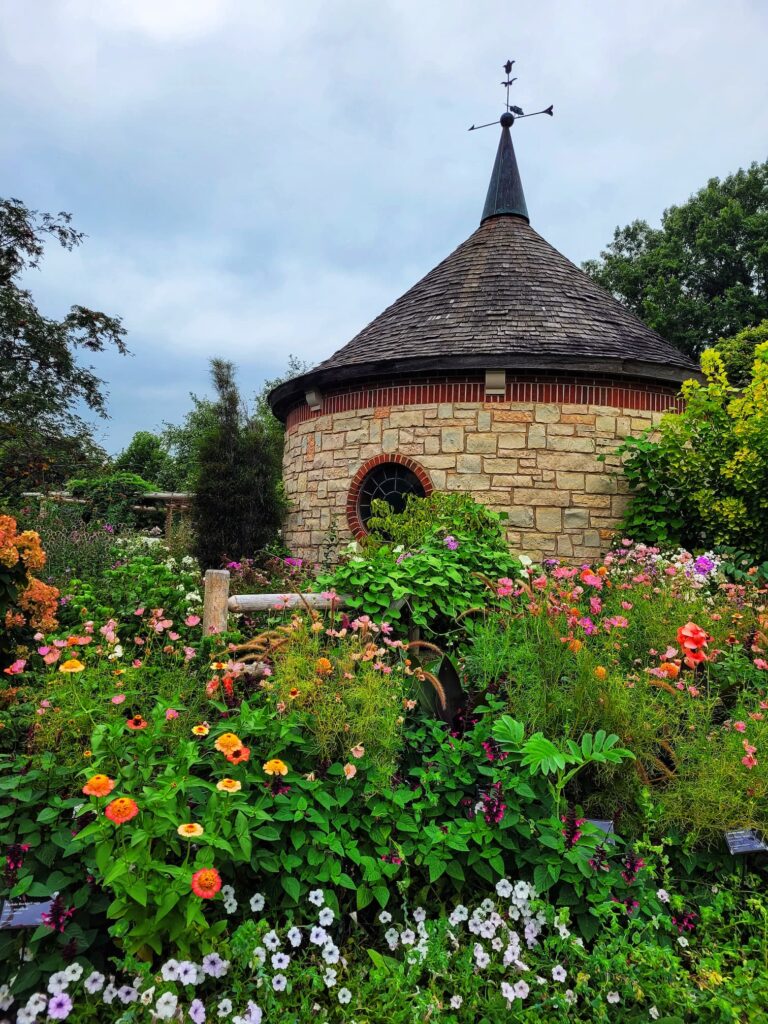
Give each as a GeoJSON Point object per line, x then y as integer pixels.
{"type": "Point", "coordinates": [259, 179]}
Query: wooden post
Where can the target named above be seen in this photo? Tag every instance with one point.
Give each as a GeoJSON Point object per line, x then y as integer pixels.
{"type": "Point", "coordinates": [215, 599]}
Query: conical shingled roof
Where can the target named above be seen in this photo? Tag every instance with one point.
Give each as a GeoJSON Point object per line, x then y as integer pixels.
{"type": "Point", "coordinates": [505, 298]}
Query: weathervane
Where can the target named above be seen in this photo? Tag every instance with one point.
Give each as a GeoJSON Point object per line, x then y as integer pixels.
{"type": "Point", "coordinates": [512, 113]}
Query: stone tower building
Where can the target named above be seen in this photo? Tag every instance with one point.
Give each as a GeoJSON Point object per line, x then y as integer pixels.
{"type": "Point", "coordinates": [505, 372]}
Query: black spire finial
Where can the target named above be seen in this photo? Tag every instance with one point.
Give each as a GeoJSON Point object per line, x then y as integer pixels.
{"type": "Point", "coordinates": [505, 192]}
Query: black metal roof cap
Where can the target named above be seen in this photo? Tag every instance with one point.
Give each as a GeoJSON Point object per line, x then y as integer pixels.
{"type": "Point", "coordinates": [504, 299]}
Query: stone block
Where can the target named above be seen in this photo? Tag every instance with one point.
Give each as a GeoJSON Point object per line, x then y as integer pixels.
{"type": "Point", "coordinates": [549, 520]}
{"type": "Point", "coordinates": [412, 448]}
{"type": "Point", "coordinates": [431, 445]}
{"type": "Point", "coordinates": [592, 539]}
{"type": "Point", "coordinates": [390, 440]}
{"type": "Point", "coordinates": [483, 443]}
{"type": "Point", "coordinates": [586, 419]}
{"type": "Point", "coordinates": [513, 415]}
{"type": "Point", "coordinates": [537, 436]}
{"type": "Point", "coordinates": [499, 465]}
{"type": "Point", "coordinates": [569, 481]}
{"type": "Point", "coordinates": [564, 546]}
{"type": "Point", "coordinates": [571, 444]}
{"type": "Point", "coordinates": [431, 462]}
{"type": "Point", "coordinates": [407, 418]}
{"type": "Point", "coordinates": [561, 429]}
{"type": "Point", "coordinates": [452, 439]}
{"type": "Point", "coordinates": [512, 441]}
{"type": "Point", "coordinates": [548, 413]}
{"type": "Point", "coordinates": [382, 412]}
{"type": "Point", "coordinates": [541, 497]}
{"type": "Point", "coordinates": [445, 411]}
{"type": "Point", "coordinates": [606, 423]}
{"type": "Point", "coordinates": [575, 518]}
{"type": "Point", "coordinates": [484, 420]}
{"type": "Point", "coordinates": [469, 464]}
{"type": "Point", "coordinates": [601, 483]}
{"type": "Point", "coordinates": [437, 476]}
{"type": "Point", "coordinates": [520, 516]}
{"type": "Point", "coordinates": [468, 481]}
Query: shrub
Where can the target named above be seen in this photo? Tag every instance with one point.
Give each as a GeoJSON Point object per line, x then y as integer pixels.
{"type": "Point", "coordinates": [111, 497]}
{"type": "Point", "coordinates": [26, 604]}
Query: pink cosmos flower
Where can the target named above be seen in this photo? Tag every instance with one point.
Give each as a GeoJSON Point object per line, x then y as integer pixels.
{"type": "Point", "coordinates": [136, 663]}
{"type": "Point", "coordinates": [118, 698]}
{"type": "Point", "coordinates": [52, 657]}
{"type": "Point", "coordinates": [15, 668]}
{"type": "Point", "coordinates": [740, 726]}
{"type": "Point", "coordinates": [42, 651]}
{"type": "Point", "coordinates": [192, 620]}
{"type": "Point", "coordinates": [170, 714]}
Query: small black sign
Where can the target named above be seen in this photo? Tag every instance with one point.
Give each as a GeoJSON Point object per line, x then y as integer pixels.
{"type": "Point", "coordinates": [23, 915]}
{"type": "Point", "coordinates": [745, 840]}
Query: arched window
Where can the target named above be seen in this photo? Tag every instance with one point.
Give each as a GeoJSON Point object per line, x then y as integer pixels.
{"type": "Point", "coordinates": [389, 478]}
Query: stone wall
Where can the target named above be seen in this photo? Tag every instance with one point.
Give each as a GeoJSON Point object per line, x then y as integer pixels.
{"type": "Point", "coordinates": [536, 461]}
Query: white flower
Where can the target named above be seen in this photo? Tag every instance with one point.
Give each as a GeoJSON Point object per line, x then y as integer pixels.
{"type": "Point", "coordinates": [325, 917]}
{"type": "Point", "coordinates": [260, 954]}
{"type": "Point", "coordinates": [329, 977]}
{"type": "Point", "coordinates": [36, 1003]}
{"type": "Point", "coordinates": [165, 1007]}
{"type": "Point", "coordinates": [294, 937]}
{"type": "Point", "coordinates": [170, 970]}
{"type": "Point", "coordinates": [456, 1002]}
{"type": "Point", "coordinates": [317, 897]}
{"type": "Point", "coordinates": [25, 1017]}
{"type": "Point", "coordinates": [419, 915]}
{"type": "Point", "coordinates": [460, 913]}
{"type": "Point", "coordinates": [507, 991]}
{"type": "Point", "coordinates": [230, 906]}
{"type": "Point", "coordinates": [653, 1013]}
{"type": "Point", "coordinates": [385, 917]}
{"type": "Point", "coordinates": [279, 982]}
{"type": "Point", "coordinates": [57, 983]}
{"type": "Point", "coordinates": [109, 993]}
{"type": "Point", "coordinates": [280, 961]}
{"type": "Point", "coordinates": [497, 944]}
{"type": "Point", "coordinates": [147, 996]}
{"type": "Point", "coordinates": [318, 936]}
{"type": "Point", "coordinates": [187, 973]}
{"type": "Point", "coordinates": [224, 1008]}
{"type": "Point", "coordinates": [613, 997]}
{"type": "Point", "coordinates": [271, 941]}
{"type": "Point", "coordinates": [682, 941]}
{"type": "Point", "coordinates": [74, 972]}
{"type": "Point", "coordinates": [214, 966]}
{"type": "Point", "coordinates": [521, 989]}
{"type": "Point", "coordinates": [330, 953]}
{"type": "Point", "coordinates": [393, 938]}
{"type": "Point", "coordinates": [558, 973]}
{"type": "Point", "coordinates": [481, 958]}
{"type": "Point", "coordinates": [6, 999]}
{"type": "Point", "coordinates": [522, 891]}
{"type": "Point", "coordinates": [662, 895]}
{"type": "Point", "coordinates": [487, 905]}
{"type": "Point", "coordinates": [257, 902]}
{"type": "Point", "coordinates": [570, 996]}
{"type": "Point", "coordinates": [344, 995]}
{"type": "Point", "coordinates": [127, 994]}
{"type": "Point", "coordinates": [407, 936]}
{"type": "Point", "coordinates": [94, 982]}
{"type": "Point", "coordinates": [504, 888]}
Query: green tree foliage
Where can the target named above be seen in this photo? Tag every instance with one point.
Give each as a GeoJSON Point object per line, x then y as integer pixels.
{"type": "Point", "coordinates": [42, 436]}
{"type": "Point", "coordinates": [738, 353]}
{"type": "Point", "coordinates": [147, 457]}
{"type": "Point", "coordinates": [704, 273]}
{"type": "Point", "coordinates": [238, 505]}
{"type": "Point", "coordinates": [704, 480]}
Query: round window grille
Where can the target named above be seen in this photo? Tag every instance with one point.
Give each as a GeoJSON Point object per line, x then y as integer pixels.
{"type": "Point", "coordinates": [389, 482]}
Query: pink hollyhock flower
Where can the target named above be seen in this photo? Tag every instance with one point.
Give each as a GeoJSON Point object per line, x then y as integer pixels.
{"type": "Point", "coordinates": [192, 620]}
{"type": "Point", "coordinates": [118, 698]}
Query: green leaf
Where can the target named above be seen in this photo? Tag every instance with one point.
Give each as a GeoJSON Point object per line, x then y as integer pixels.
{"type": "Point", "coordinates": [292, 886]}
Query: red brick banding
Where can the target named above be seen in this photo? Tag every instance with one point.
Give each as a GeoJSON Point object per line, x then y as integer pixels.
{"type": "Point", "coordinates": [353, 496]}
{"type": "Point", "coordinates": [547, 390]}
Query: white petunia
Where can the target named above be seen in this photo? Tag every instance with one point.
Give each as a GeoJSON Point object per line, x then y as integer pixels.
{"type": "Point", "coordinates": [279, 982]}
{"type": "Point", "coordinates": [272, 941]}
{"type": "Point", "coordinates": [57, 983]}
{"type": "Point", "coordinates": [344, 996]}
{"type": "Point", "coordinates": [521, 989]}
{"type": "Point", "coordinates": [165, 1007]}
{"type": "Point", "coordinates": [224, 1008]}
{"type": "Point", "coordinates": [294, 937]}
{"type": "Point", "coordinates": [187, 973]}
{"type": "Point", "coordinates": [331, 953]}
{"type": "Point", "coordinates": [325, 917]}
{"type": "Point", "coordinates": [317, 896]}
{"type": "Point", "coordinates": [170, 970]}
{"type": "Point", "coordinates": [504, 888]}
{"type": "Point", "coordinates": [613, 997]}
{"type": "Point", "coordinates": [74, 972]}
{"type": "Point", "coordinates": [318, 936]}
{"type": "Point", "coordinates": [280, 961]}
{"type": "Point", "coordinates": [662, 895]}
{"type": "Point", "coordinates": [456, 1002]}
{"type": "Point", "coordinates": [558, 973]}
{"type": "Point", "coordinates": [260, 954]}
{"type": "Point", "coordinates": [329, 977]}
{"type": "Point", "coordinates": [147, 996]}
{"type": "Point", "coordinates": [385, 917]}
{"type": "Point", "coordinates": [257, 902]}
{"type": "Point", "coordinates": [419, 915]}
{"type": "Point", "coordinates": [507, 991]}
{"type": "Point", "coordinates": [94, 982]}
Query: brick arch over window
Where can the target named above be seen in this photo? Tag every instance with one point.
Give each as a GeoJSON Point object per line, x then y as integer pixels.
{"type": "Point", "coordinates": [353, 497]}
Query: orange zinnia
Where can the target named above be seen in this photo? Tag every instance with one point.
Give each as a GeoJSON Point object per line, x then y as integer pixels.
{"type": "Point", "coordinates": [276, 767]}
{"type": "Point", "coordinates": [293, 693]}
{"type": "Point", "coordinates": [121, 810]}
{"type": "Point", "coordinates": [239, 756]}
{"type": "Point", "coordinates": [229, 785]}
{"type": "Point", "coordinates": [601, 672]}
{"type": "Point", "coordinates": [323, 667]}
{"type": "Point", "coordinates": [218, 666]}
{"type": "Point", "coordinates": [98, 785]}
{"type": "Point", "coordinates": [200, 730]}
{"type": "Point", "coordinates": [206, 883]}
{"type": "Point", "coordinates": [190, 830]}
{"type": "Point", "coordinates": [137, 722]}
{"type": "Point", "coordinates": [228, 742]}
{"type": "Point", "coordinates": [71, 665]}
{"type": "Point", "coordinates": [575, 646]}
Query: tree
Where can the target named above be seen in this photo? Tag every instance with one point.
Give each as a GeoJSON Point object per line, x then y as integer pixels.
{"type": "Point", "coordinates": [238, 504]}
{"type": "Point", "coordinates": [703, 479]}
{"type": "Point", "coordinates": [704, 273]}
{"type": "Point", "coordinates": [41, 381]}
{"type": "Point", "coordinates": [147, 457]}
{"type": "Point", "coordinates": [738, 353]}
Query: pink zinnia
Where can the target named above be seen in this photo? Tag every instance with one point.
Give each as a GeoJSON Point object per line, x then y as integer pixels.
{"type": "Point", "coordinates": [118, 698]}
{"type": "Point", "coordinates": [192, 620]}
{"type": "Point", "coordinates": [740, 726]}
{"type": "Point", "coordinates": [170, 713]}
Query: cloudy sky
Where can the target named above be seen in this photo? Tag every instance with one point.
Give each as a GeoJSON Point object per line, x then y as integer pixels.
{"type": "Point", "coordinates": [260, 178]}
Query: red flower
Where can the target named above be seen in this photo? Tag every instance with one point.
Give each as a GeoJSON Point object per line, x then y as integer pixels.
{"type": "Point", "coordinates": [121, 810]}
{"type": "Point", "coordinates": [206, 883]}
{"type": "Point", "coordinates": [693, 639]}
{"type": "Point", "coordinates": [137, 722]}
{"type": "Point", "coordinates": [239, 755]}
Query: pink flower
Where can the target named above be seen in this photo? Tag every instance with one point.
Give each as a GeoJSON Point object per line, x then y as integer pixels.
{"type": "Point", "coordinates": [595, 605]}
{"type": "Point", "coordinates": [43, 651]}
{"type": "Point", "coordinates": [358, 750]}
{"type": "Point", "coordinates": [173, 636]}
{"type": "Point", "coordinates": [540, 582]}
{"type": "Point", "coordinates": [670, 570]}
{"type": "Point", "coordinates": [627, 605]}
{"type": "Point", "coordinates": [740, 726]}
{"type": "Point", "coordinates": [189, 653]}
{"type": "Point", "coordinates": [192, 620]}
{"type": "Point", "coordinates": [15, 668]}
{"type": "Point", "coordinates": [761, 663]}
{"type": "Point", "coordinates": [59, 643]}
{"type": "Point", "coordinates": [504, 586]}
{"type": "Point", "coordinates": [139, 611]}
{"type": "Point", "coordinates": [136, 663]}
{"type": "Point", "coordinates": [170, 713]}
{"type": "Point", "coordinates": [749, 761]}
{"type": "Point", "coordinates": [38, 637]}
{"type": "Point", "coordinates": [52, 657]}
{"type": "Point", "coordinates": [350, 771]}
{"type": "Point", "coordinates": [118, 698]}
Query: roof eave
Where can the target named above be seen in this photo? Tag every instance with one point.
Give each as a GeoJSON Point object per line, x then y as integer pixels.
{"type": "Point", "coordinates": [285, 396]}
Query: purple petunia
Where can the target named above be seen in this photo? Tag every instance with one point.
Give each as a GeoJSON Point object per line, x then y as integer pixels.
{"type": "Point", "coordinates": [60, 1007]}
{"type": "Point", "coordinates": [197, 1011]}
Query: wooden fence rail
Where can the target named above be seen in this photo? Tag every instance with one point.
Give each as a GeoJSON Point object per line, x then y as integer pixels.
{"type": "Point", "coordinates": [217, 602]}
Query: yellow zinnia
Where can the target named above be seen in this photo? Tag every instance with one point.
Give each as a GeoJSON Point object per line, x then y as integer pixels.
{"type": "Point", "coordinates": [200, 730]}
{"type": "Point", "coordinates": [229, 786]}
{"type": "Point", "coordinates": [190, 830]}
{"type": "Point", "coordinates": [228, 742]}
{"type": "Point", "coordinates": [71, 665]}
{"type": "Point", "coordinates": [276, 767]}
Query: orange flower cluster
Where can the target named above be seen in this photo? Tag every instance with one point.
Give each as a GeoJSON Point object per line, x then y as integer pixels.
{"type": "Point", "coordinates": [693, 639]}
{"type": "Point", "coordinates": [36, 601]}
{"type": "Point", "coordinates": [99, 785]}
{"type": "Point", "coordinates": [323, 667]}
{"type": "Point", "coordinates": [121, 810]}
{"type": "Point", "coordinates": [206, 883]}
{"type": "Point", "coordinates": [15, 546]}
